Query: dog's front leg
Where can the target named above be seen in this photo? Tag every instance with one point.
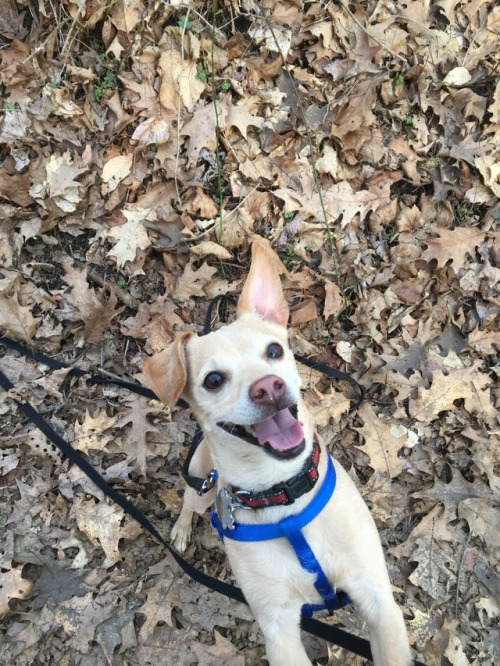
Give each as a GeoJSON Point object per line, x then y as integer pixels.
{"type": "Point", "coordinates": [193, 503]}
{"type": "Point", "coordinates": [281, 629]}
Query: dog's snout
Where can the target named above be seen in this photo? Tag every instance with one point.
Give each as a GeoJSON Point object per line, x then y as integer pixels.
{"type": "Point", "coordinates": [269, 390]}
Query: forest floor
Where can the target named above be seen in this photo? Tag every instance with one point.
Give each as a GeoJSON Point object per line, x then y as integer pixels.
{"type": "Point", "coordinates": [142, 145]}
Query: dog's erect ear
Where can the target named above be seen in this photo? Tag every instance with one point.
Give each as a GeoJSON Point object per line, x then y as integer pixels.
{"type": "Point", "coordinates": [262, 293]}
{"type": "Point", "coordinates": [166, 372]}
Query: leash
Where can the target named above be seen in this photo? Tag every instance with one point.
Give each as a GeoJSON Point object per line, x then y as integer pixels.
{"type": "Point", "coordinates": [329, 633]}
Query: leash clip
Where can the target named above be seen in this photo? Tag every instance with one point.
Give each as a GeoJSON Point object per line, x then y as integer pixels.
{"type": "Point", "coordinates": [208, 483]}
{"type": "Point", "coordinates": [226, 503]}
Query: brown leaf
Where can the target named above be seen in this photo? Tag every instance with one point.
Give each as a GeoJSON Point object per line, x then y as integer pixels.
{"type": "Point", "coordinates": [15, 188]}
{"type": "Point", "coordinates": [90, 434]}
{"type": "Point", "coordinates": [106, 524]}
{"type": "Point", "coordinates": [137, 417]}
{"type": "Point", "coordinates": [13, 586]}
{"type": "Point", "coordinates": [334, 300]}
{"type": "Point", "coordinates": [207, 248]}
{"type": "Point", "coordinates": [99, 321]}
{"type": "Point", "coordinates": [454, 244]}
{"type": "Point", "coordinates": [307, 311]}
{"type": "Point", "coordinates": [192, 283]}
{"type": "Point", "coordinates": [16, 320]}
{"type": "Point", "coordinates": [382, 442]}
{"type": "Point", "coordinates": [466, 384]}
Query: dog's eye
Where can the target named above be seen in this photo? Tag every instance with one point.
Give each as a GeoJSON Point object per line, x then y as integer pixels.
{"type": "Point", "coordinates": [213, 380]}
{"type": "Point", "coordinates": [274, 350]}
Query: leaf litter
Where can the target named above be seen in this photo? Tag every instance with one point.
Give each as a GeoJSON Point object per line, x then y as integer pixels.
{"type": "Point", "coordinates": [143, 144]}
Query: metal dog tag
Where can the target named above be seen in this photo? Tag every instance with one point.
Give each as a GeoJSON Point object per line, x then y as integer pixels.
{"type": "Point", "coordinates": [225, 506]}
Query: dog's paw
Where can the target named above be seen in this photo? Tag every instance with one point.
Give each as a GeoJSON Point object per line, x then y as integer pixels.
{"type": "Point", "coordinates": [181, 535]}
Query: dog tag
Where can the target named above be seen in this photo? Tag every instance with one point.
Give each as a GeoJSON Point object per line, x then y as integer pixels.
{"type": "Point", "coordinates": [225, 509]}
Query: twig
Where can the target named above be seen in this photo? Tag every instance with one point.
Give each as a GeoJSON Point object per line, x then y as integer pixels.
{"type": "Point", "coordinates": [217, 125]}
{"type": "Point", "coordinates": [183, 34]}
{"type": "Point", "coordinates": [459, 571]}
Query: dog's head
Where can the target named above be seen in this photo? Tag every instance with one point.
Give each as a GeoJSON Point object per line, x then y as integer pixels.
{"type": "Point", "coordinates": [241, 381]}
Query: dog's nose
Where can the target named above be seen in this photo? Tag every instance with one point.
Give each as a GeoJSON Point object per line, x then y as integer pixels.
{"type": "Point", "coordinates": [269, 390]}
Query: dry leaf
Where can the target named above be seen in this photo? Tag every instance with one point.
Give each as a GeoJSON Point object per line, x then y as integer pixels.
{"type": "Point", "coordinates": [131, 236]}
{"type": "Point", "coordinates": [382, 442]}
{"type": "Point", "coordinates": [207, 248]}
{"type": "Point", "coordinates": [16, 320]}
{"type": "Point", "coordinates": [115, 170]}
{"type": "Point", "coordinates": [13, 586]}
{"type": "Point", "coordinates": [106, 524]}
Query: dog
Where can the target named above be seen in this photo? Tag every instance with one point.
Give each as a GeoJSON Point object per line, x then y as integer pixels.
{"type": "Point", "coordinates": [243, 387]}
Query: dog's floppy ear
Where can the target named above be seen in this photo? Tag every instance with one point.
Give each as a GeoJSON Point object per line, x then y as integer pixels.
{"type": "Point", "coordinates": [262, 293]}
{"type": "Point", "coordinates": [166, 372]}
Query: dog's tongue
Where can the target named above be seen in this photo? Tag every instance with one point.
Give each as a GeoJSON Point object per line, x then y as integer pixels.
{"type": "Point", "coordinates": [282, 431]}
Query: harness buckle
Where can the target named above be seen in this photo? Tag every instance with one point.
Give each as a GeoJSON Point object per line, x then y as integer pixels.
{"type": "Point", "coordinates": [297, 486]}
{"type": "Point", "coordinates": [208, 483]}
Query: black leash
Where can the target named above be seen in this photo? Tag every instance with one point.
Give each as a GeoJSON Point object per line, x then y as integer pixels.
{"type": "Point", "coordinates": [332, 634]}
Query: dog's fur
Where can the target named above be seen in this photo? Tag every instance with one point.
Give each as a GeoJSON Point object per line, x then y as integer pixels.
{"type": "Point", "coordinates": [343, 537]}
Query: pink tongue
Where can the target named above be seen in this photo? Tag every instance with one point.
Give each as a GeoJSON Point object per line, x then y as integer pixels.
{"type": "Point", "coordinates": [282, 431]}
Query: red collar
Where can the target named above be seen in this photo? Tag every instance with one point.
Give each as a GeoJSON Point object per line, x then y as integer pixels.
{"type": "Point", "coordinates": [284, 493]}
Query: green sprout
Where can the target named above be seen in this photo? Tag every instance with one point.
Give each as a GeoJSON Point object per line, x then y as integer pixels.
{"type": "Point", "coordinates": [184, 23]}
{"type": "Point", "coordinates": [408, 120]}
{"type": "Point", "coordinates": [108, 83]}
{"type": "Point", "coordinates": [288, 258]}
{"type": "Point", "coordinates": [201, 73]}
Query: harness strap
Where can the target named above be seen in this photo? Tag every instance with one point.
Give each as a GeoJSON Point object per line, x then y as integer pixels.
{"type": "Point", "coordinates": [291, 528]}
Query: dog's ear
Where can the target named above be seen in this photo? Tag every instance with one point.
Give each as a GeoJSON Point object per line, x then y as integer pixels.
{"type": "Point", "coordinates": [262, 293]}
{"type": "Point", "coordinates": [166, 372]}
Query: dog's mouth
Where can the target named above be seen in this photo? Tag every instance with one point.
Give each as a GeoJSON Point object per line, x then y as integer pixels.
{"type": "Point", "coordinates": [281, 435]}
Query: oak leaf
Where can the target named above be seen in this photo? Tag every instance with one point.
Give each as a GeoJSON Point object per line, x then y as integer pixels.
{"type": "Point", "coordinates": [115, 170]}
{"type": "Point", "coordinates": [16, 319]}
{"type": "Point", "coordinates": [334, 300]}
{"type": "Point", "coordinates": [131, 236]}
{"type": "Point", "coordinates": [206, 248]}
{"type": "Point", "coordinates": [202, 129]}
{"type": "Point", "coordinates": [90, 434]}
{"type": "Point", "coordinates": [382, 442]}
{"type": "Point", "coordinates": [466, 384]}
{"type": "Point", "coordinates": [13, 586]}
{"type": "Point", "coordinates": [192, 283]}
{"type": "Point", "coordinates": [137, 417]}
{"type": "Point", "coordinates": [106, 524]}
{"type": "Point", "coordinates": [240, 117]}
{"type": "Point", "coordinates": [161, 599]}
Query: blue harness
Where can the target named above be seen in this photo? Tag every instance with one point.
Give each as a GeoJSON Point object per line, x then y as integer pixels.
{"type": "Point", "coordinates": [291, 528]}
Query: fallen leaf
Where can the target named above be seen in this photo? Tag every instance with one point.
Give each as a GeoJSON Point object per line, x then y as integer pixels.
{"type": "Point", "coordinates": [13, 586]}
{"type": "Point", "coordinates": [131, 236]}
{"type": "Point", "coordinates": [90, 434]}
{"type": "Point", "coordinates": [105, 524]}
{"type": "Point", "coordinates": [207, 248]}
{"type": "Point", "coordinates": [16, 320]}
{"type": "Point", "coordinates": [114, 171]}
{"type": "Point", "coordinates": [381, 444]}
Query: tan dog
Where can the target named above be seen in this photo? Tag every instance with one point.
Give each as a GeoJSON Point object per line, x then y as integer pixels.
{"type": "Point", "coordinates": [243, 387]}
